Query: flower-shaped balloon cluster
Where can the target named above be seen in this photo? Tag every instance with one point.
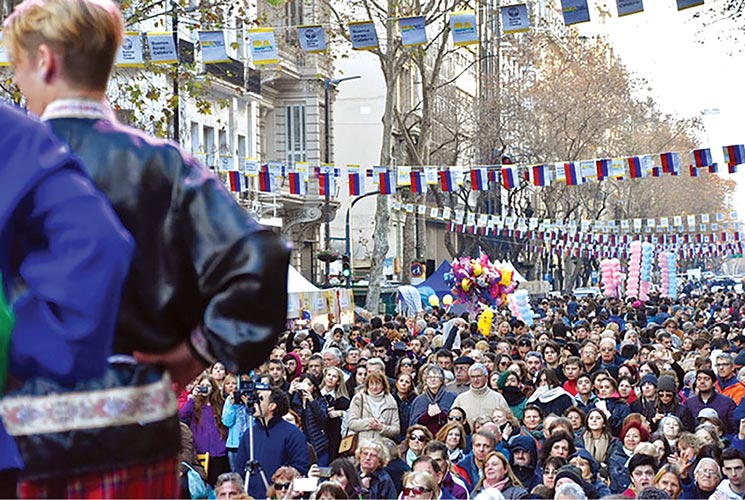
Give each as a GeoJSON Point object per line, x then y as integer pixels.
{"type": "Point", "coordinates": [479, 282]}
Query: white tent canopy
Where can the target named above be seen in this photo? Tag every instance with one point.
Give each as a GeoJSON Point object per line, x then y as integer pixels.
{"type": "Point", "coordinates": [296, 282]}
{"type": "Point", "coordinates": [515, 273]}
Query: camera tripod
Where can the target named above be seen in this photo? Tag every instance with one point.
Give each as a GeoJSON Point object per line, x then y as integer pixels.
{"type": "Point", "coordinates": [252, 467]}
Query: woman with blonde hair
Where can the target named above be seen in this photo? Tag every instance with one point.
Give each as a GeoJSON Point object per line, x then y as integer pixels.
{"type": "Point", "coordinates": [334, 390]}
{"type": "Point", "coordinates": [667, 479]}
{"type": "Point", "coordinates": [498, 475]}
{"type": "Point", "coordinates": [453, 434]}
{"type": "Point", "coordinates": [373, 411]}
{"type": "Point", "coordinates": [420, 485]}
{"type": "Point", "coordinates": [371, 459]}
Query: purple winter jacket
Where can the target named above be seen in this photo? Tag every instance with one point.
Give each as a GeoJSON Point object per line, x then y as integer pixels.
{"type": "Point", "coordinates": [206, 434]}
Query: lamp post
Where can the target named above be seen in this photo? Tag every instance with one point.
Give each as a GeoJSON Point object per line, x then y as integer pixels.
{"type": "Point", "coordinates": [348, 235]}
{"type": "Point", "coordinates": [176, 106]}
{"type": "Point", "coordinates": [327, 83]}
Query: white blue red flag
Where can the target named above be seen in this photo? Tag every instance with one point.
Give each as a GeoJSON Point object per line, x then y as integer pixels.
{"type": "Point", "coordinates": [479, 180]}
{"type": "Point", "coordinates": [386, 184]}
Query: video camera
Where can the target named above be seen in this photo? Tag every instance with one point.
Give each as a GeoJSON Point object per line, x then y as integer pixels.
{"type": "Point", "coordinates": [248, 386]}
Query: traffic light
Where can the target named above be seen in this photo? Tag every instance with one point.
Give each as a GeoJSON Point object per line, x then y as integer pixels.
{"type": "Point", "coordinates": [346, 267]}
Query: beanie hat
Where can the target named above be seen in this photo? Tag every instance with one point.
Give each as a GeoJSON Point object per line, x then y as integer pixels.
{"type": "Point", "coordinates": [649, 378]}
{"type": "Point", "coordinates": [502, 379]}
{"type": "Point", "coordinates": [666, 383]}
{"type": "Point", "coordinates": [569, 471]}
{"type": "Point", "coordinates": [740, 359]}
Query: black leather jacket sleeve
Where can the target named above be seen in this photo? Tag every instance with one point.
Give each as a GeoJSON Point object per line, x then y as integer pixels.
{"type": "Point", "coordinates": [204, 270]}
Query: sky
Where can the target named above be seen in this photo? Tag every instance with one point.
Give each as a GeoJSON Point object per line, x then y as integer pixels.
{"type": "Point", "coordinates": [690, 72]}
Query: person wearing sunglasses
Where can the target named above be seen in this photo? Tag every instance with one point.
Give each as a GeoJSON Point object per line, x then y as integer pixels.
{"type": "Point", "coordinates": [420, 485]}
{"type": "Point", "coordinates": [281, 487]}
{"type": "Point", "coordinates": [417, 437]}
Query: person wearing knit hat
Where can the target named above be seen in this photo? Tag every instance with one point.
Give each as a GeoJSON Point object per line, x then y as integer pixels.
{"type": "Point", "coordinates": [669, 402]}
{"type": "Point", "coordinates": [508, 384]}
{"type": "Point", "coordinates": [568, 473]}
{"type": "Point", "coordinates": [666, 383]}
{"type": "Point", "coordinates": [740, 360]}
{"type": "Point", "coordinates": [649, 378]}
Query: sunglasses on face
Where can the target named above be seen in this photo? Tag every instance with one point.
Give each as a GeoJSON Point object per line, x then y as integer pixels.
{"type": "Point", "coordinates": [454, 418]}
{"type": "Point", "coordinates": [418, 437]}
{"type": "Point", "coordinates": [405, 364]}
{"type": "Point", "coordinates": [281, 486]}
{"type": "Point", "coordinates": [416, 490]}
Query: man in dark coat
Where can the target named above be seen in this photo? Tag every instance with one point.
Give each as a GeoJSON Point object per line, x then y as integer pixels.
{"type": "Point", "coordinates": [276, 442]}
{"type": "Point", "coordinates": [207, 282]}
{"type": "Point", "coordinates": [525, 461]}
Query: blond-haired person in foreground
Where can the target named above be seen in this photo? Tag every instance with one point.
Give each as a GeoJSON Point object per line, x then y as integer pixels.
{"type": "Point", "coordinates": [207, 282]}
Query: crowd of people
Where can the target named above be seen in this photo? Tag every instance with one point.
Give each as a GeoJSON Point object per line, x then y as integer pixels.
{"type": "Point", "coordinates": [599, 398]}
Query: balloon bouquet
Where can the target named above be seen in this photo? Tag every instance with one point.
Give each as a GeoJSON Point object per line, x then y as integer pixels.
{"type": "Point", "coordinates": [611, 277]}
{"type": "Point", "coordinates": [519, 304]}
{"type": "Point", "coordinates": [669, 281]}
{"type": "Point", "coordinates": [480, 284]}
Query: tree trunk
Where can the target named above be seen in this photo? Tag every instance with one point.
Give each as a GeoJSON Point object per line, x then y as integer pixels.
{"type": "Point", "coordinates": [408, 255]}
{"type": "Point", "coordinates": [382, 214]}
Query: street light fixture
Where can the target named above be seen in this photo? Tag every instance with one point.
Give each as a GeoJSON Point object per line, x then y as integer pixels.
{"type": "Point", "coordinates": [327, 83]}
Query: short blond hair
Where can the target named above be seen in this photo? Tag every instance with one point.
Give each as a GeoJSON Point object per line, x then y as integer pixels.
{"type": "Point", "coordinates": [86, 34]}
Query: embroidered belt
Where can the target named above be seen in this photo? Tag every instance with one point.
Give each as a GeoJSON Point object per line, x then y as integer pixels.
{"type": "Point", "coordinates": [108, 407]}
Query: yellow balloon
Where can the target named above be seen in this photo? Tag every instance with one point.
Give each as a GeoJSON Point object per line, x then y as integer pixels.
{"type": "Point", "coordinates": [466, 285]}
{"type": "Point", "coordinates": [447, 299]}
{"type": "Point", "coordinates": [434, 301]}
{"type": "Point", "coordinates": [477, 269]}
{"type": "Point", "coordinates": [485, 321]}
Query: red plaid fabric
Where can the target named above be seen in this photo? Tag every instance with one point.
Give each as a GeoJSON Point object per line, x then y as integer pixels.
{"type": "Point", "coordinates": [157, 480]}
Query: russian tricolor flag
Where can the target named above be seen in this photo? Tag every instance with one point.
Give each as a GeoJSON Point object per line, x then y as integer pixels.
{"type": "Point", "coordinates": [635, 167]}
{"type": "Point", "coordinates": [326, 184]}
{"type": "Point", "coordinates": [571, 172]}
{"type": "Point", "coordinates": [234, 180]}
{"type": "Point", "coordinates": [478, 179]}
{"type": "Point", "coordinates": [492, 174]}
{"type": "Point", "coordinates": [386, 184]}
{"type": "Point", "coordinates": [355, 184]}
{"type": "Point", "coordinates": [297, 185]}
{"type": "Point", "coordinates": [509, 177]}
{"type": "Point", "coordinates": [446, 180]}
{"type": "Point", "coordinates": [670, 162]}
{"type": "Point", "coordinates": [266, 181]}
{"type": "Point", "coordinates": [603, 167]}
{"type": "Point", "coordinates": [693, 170]}
{"type": "Point", "coordinates": [734, 155]}
{"type": "Point", "coordinates": [417, 182]}
{"type": "Point", "coordinates": [540, 175]}
{"type": "Point", "coordinates": [701, 157]}
{"type": "Point", "coordinates": [656, 172]}
{"type": "Point", "coordinates": [713, 168]}
{"type": "Point", "coordinates": [732, 168]}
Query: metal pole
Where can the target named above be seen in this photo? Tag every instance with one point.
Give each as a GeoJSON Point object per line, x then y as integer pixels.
{"type": "Point", "coordinates": [348, 234]}
{"type": "Point", "coordinates": [176, 104]}
{"type": "Point", "coordinates": [327, 158]}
